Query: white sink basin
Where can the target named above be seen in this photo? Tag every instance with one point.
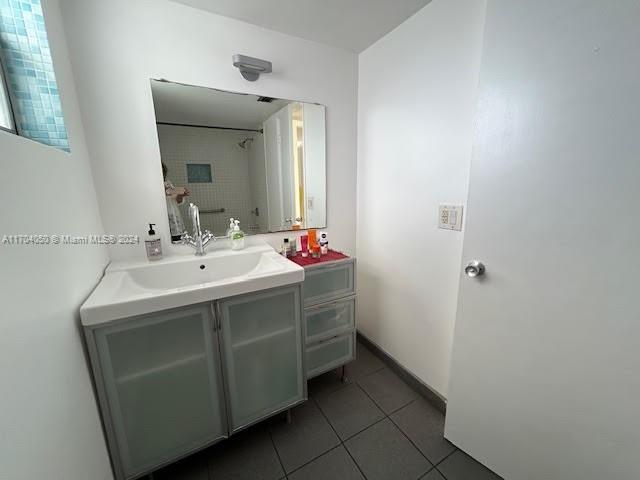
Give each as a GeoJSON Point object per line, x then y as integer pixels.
{"type": "Point", "coordinates": [207, 269]}
{"type": "Point", "coordinates": [129, 289]}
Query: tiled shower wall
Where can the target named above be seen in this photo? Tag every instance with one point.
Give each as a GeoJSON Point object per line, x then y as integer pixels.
{"type": "Point", "coordinates": [230, 188]}
{"type": "Point", "coordinates": [34, 91]}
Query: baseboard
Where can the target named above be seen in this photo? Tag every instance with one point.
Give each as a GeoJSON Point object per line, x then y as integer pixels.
{"type": "Point", "coordinates": [433, 397]}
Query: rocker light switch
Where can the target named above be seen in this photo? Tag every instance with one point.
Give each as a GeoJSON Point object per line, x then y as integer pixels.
{"type": "Point", "coordinates": [450, 217]}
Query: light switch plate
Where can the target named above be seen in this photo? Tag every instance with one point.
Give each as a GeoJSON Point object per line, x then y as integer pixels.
{"type": "Point", "coordinates": [450, 217]}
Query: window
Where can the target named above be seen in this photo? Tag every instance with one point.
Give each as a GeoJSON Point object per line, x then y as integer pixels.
{"type": "Point", "coordinates": [29, 99]}
{"type": "Point", "coordinates": [199, 173]}
{"type": "Point", "coordinates": [6, 116]}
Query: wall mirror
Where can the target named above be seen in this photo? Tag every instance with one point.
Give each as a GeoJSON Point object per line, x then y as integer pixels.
{"type": "Point", "coordinates": [260, 160]}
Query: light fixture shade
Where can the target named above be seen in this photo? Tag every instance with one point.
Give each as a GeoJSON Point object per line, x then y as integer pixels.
{"type": "Point", "coordinates": [250, 67]}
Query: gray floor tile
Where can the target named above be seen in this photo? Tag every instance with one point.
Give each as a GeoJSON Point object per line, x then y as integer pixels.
{"type": "Point", "coordinates": [336, 464]}
{"type": "Point", "coordinates": [382, 452]}
{"type": "Point", "coordinates": [193, 467]}
{"type": "Point", "coordinates": [248, 455]}
{"type": "Point", "coordinates": [424, 425]}
{"type": "Point", "coordinates": [387, 389]}
{"type": "Point", "coordinates": [365, 363]}
{"type": "Point", "coordinates": [308, 436]}
{"type": "Point", "coordinates": [433, 475]}
{"type": "Point", "coordinates": [349, 410]}
{"type": "Point", "coordinates": [326, 383]}
{"type": "Point", "coordinates": [460, 466]}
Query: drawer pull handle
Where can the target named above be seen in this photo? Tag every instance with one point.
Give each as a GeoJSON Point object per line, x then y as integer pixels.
{"type": "Point", "coordinates": [331, 304]}
{"type": "Point", "coordinates": [334, 339]}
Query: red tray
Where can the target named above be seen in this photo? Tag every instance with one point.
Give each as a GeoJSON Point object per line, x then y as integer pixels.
{"type": "Point", "coordinates": [331, 256]}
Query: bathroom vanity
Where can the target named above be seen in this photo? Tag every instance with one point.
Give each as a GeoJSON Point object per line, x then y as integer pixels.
{"type": "Point", "coordinates": [193, 349]}
{"type": "Point", "coordinates": [190, 349]}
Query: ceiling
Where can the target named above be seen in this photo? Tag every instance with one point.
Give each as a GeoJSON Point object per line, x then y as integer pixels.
{"type": "Point", "coordinates": [186, 104]}
{"type": "Point", "coordinates": [352, 25]}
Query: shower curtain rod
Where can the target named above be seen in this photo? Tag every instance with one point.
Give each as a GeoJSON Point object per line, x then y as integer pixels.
{"type": "Point", "coordinates": [209, 126]}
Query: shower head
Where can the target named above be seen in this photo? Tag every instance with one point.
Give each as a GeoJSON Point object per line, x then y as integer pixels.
{"type": "Point", "coordinates": [243, 143]}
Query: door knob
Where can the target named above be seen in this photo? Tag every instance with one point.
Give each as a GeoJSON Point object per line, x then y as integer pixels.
{"type": "Point", "coordinates": [474, 269]}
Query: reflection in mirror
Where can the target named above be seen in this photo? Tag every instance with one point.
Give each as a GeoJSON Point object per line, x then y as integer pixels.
{"type": "Point", "coordinates": [260, 160]}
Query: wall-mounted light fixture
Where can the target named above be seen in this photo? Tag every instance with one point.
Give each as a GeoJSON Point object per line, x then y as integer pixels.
{"type": "Point", "coordinates": [250, 67]}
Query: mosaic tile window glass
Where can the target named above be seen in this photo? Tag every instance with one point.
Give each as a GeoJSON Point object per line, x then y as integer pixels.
{"type": "Point", "coordinates": [199, 173]}
{"type": "Point", "coordinates": [30, 77]}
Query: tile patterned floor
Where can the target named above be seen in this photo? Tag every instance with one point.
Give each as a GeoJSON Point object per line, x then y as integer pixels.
{"type": "Point", "coordinates": [373, 427]}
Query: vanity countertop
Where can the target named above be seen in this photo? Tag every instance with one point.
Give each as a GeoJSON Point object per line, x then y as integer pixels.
{"type": "Point", "coordinates": [137, 288]}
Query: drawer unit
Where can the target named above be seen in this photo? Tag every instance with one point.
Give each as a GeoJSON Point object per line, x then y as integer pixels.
{"type": "Point", "coordinates": [329, 281]}
{"type": "Point", "coordinates": [328, 320]}
{"type": "Point", "coordinates": [329, 299]}
{"type": "Point", "coordinates": [329, 354]}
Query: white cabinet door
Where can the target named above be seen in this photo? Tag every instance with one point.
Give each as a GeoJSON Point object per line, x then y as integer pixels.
{"type": "Point", "coordinates": [162, 382]}
{"type": "Point", "coordinates": [544, 379]}
{"type": "Point", "coordinates": [261, 338]}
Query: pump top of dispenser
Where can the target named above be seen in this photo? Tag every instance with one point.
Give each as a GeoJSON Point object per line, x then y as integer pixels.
{"type": "Point", "coordinates": [151, 230]}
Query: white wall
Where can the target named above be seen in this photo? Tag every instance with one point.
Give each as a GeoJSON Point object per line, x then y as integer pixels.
{"type": "Point", "coordinates": [117, 46]}
{"type": "Point", "coordinates": [229, 169]}
{"type": "Point", "coordinates": [416, 103]}
{"type": "Point", "coordinates": [49, 421]}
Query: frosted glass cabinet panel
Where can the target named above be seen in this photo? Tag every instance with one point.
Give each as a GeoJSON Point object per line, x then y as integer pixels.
{"type": "Point", "coordinates": [163, 386]}
{"type": "Point", "coordinates": [261, 339]}
{"type": "Point", "coordinates": [329, 281]}
{"type": "Point", "coordinates": [330, 354]}
{"type": "Point", "coordinates": [328, 320]}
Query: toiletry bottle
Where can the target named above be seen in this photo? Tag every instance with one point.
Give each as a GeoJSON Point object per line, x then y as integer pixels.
{"type": "Point", "coordinates": [230, 229]}
{"type": "Point", "coordinates": [153, 244]}
{"type": "Point", "coordinates": [313, 238]}
{"type": "Point", "coordinates": [286, 248]}
{"type": "Point", "coordinates": [304, 245]}
{"type": "Point", "coordinates": [293, 247]}
{"type": "Point", "coordinates": [315, 251]}
{"type": "Point", "coordinates": [237, 237]}
{"type": "Point", "coordinates": [324, 243]}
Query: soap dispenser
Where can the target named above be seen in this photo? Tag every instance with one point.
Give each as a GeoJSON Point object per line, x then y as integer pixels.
{"type": "Point", "coordinates": [230, 229]}
{"type": "Point", "coordinates": [237, 237]}
{"type": "Point", "coordinates": [153, 244]}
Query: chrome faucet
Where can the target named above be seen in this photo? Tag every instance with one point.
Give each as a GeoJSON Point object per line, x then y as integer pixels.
{"type": "Point", "coordinates": [200, 239]}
